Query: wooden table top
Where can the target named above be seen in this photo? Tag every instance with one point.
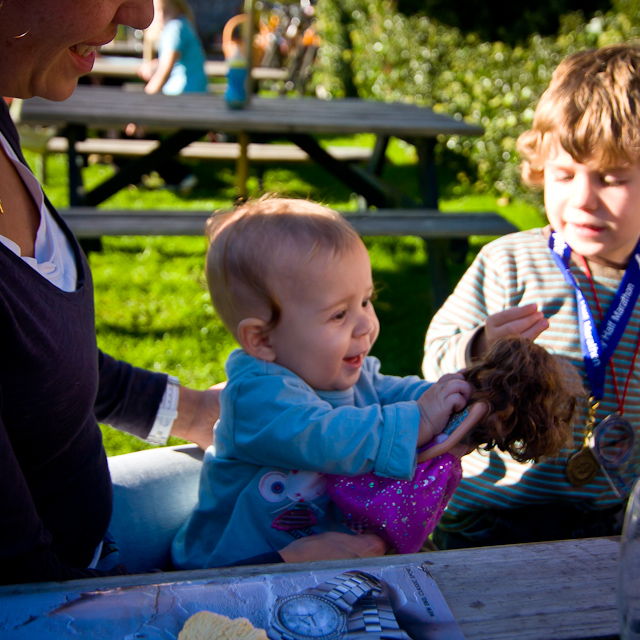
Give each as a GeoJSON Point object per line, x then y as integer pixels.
{"type": "Point", "coordinates": [545, 591]}
{"type": "Point", "coordinates": [112, 106]}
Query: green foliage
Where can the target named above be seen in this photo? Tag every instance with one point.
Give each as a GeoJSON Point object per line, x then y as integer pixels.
{"type": "Point", "coordinates": [416, 59]}
{"type": "Point", "coordinates": [510, 22]}
{"type": "Point", "coordinates": [630, 8]}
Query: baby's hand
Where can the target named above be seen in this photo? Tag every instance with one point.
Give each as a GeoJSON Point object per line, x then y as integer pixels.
{"type": "Point", "coordinates": [451, 393]}
{"type": "Point", "coordinates": [525, 321]}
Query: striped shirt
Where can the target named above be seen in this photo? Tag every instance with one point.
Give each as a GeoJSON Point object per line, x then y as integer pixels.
{"type": "Point", "coordinates": [513, 271]}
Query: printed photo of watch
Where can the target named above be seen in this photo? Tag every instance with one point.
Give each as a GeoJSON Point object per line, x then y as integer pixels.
{"type": "Point", "coordinates": [322, 612]}
{"type": "Point", "coordinates": [373, 618]}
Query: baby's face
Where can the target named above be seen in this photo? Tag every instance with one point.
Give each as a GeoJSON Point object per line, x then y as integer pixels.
{"type": "Point", "coordinates": [597, 212]}
{"type": "Point", "coordinates": [328, 324]}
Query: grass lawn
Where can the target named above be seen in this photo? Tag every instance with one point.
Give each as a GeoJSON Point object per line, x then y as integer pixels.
{"type": "Point", "coordinates": [152, 304]}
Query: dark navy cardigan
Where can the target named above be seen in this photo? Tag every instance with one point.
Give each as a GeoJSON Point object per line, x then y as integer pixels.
{"type": "Point", "coordinates": [55, 385]}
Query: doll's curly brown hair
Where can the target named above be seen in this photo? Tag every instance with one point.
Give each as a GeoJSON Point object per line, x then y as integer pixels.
{"type": "Point", "coordinates": [533, 397]}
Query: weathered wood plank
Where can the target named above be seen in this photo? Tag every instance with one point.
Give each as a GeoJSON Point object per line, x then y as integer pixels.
{"type": "Point", "coordinates": [87, 222]}
{"type": "Point", "coordinates": [556, 590]}
{"type": "Point", "coordinates": [109, 106]}
{"type": "Point", "coordinates": [204, 150]}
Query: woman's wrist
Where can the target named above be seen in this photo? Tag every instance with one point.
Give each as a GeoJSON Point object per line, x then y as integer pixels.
{"type": "Point", "coordinates": [167, 413]}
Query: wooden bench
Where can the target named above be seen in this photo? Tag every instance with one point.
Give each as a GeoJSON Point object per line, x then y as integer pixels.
{"type": "Point", "coordinates": [446, 234]}
{"type": "Point", "coordinates": [88, 222]}
{"type": "Point", "coordinates": [256, 152]}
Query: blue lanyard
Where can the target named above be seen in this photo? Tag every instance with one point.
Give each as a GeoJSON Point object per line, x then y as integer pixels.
{"type": "Point", "coordinates": [599, 343]}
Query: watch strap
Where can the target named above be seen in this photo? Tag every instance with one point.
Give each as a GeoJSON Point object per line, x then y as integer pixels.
{"type": "Point", "coordinates": [347, 588]}
{"type": "Point", "coordinates": [373, 618]}
{"type": "Point", "coordinates": [167, 413]}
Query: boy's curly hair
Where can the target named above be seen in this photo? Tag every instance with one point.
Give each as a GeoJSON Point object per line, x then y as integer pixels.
{"type": "Point", "coordinates": [533, 397]}
{"type": "Point", "coordinates": [591, 107]}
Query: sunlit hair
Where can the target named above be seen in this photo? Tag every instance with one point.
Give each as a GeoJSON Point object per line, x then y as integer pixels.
{"type": "Point", "coordinates": [181, 7]}
{"type": "Point", "coordinates": [592, 108]}
{"type": "Point", "coordinates": [533, 397]}
{"type": "Point", "coordinates": [263, 246]}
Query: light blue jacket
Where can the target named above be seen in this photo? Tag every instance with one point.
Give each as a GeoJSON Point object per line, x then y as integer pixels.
{"type": "Point", "coordinates": [264, 486]}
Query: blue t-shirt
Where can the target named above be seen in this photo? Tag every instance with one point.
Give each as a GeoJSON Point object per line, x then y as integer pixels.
{"type": "Point", "coordinates": [188, 73]}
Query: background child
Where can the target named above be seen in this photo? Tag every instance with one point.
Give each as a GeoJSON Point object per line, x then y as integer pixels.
{"type": "Point", "coordinates": [292, 281]}
{"type": "Point", "coordinates": [555, 285]}
{"type": "Point", "coordinates": [179, 67]}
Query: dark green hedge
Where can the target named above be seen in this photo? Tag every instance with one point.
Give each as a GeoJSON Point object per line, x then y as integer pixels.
{"type": "Point", "coordinates": [511, 22]}
{"type": "Point", "coordinates": [369, 48]}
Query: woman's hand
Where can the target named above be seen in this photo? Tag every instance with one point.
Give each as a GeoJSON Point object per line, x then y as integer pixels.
{"type": "Point", "coordinates": [332, 545]}
{"type": "Point", "coordinates": [198, 411]}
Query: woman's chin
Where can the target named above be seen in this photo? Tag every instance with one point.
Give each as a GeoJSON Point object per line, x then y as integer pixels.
{"type": "Point", "coordinates": [56, 91]}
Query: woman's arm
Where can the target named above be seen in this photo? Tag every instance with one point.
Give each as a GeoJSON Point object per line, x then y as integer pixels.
{"type": "Point", "coordinates": [162, 72]}
{"type": "Point", "coordinates": [129, 397]}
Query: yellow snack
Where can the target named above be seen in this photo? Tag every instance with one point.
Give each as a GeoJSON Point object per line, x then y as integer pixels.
{"type": "Point", "coordinates": [206, 625]}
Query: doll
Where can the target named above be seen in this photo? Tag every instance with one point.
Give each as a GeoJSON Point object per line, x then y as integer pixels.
{"type": "Point", "coordinates": [524, 402]}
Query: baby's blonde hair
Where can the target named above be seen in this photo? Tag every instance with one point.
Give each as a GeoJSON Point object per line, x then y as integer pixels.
{"type": "Point", "coordinates": [592, 108]}
{"type": "Point", "coordinates": [257, 247]}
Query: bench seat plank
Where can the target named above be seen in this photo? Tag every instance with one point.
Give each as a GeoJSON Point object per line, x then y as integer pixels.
{"type": "Point", "coordinates": [204, 150]}
{"type": "Point", "coordinates": [87, 222]}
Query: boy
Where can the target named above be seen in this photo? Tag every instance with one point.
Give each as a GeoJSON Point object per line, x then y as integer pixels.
{"type": "Point", "coordinates": [572, 287]}
{"type": "Point", "coordinates": [292, 281]}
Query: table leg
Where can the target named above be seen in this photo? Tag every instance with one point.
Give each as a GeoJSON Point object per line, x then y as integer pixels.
{"type": "Point", "coordinates": [242, 165]}
{"type": "Point", "coordinates": [378, 157]}
{"type": "Point", "coordinates": [133, 171]}
{"type": "Point", "coordinates": [369, 188]}
{"type": "Point", "coordinates": [437, 249]}
{"type": "Point", "coordinates": [75, 133]}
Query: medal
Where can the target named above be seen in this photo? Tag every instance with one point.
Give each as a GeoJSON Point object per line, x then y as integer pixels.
{"type": "Point", "coordinates": [612, 441]}
{"type": "Point", "coordinates": [582, 467]}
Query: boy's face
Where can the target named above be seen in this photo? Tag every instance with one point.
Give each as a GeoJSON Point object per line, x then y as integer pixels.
{"type": "Point", "coordinates": [328, 324]}
{"type": "Point", "coordinates": [597, 212]}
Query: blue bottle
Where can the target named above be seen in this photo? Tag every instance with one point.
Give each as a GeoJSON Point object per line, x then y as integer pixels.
{"type": "Point", "coordinates": [235, 94]}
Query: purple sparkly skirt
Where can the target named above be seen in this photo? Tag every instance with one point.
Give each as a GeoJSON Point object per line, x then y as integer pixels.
{"type": "Point", "coordinates": [403, 512]}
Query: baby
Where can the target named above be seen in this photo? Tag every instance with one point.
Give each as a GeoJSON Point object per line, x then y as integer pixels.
{"type": "Point", "coordinates": [292, 281]}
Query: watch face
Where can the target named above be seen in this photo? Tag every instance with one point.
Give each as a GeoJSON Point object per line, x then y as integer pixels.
{"type": "Point", "coordinates": [310, 616]}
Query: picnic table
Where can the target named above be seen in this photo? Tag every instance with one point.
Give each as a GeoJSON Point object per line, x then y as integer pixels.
{"type": "Point", "coordinates": [188, 117]}
{"type": "Point", "coordinates": [545, 591]}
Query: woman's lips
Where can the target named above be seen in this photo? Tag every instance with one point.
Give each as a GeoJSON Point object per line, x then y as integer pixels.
{"type": "Point", "coordinates": [84, 56]}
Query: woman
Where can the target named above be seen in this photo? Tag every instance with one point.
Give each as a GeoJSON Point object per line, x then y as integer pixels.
{"type": "Point", "coordinates": [56, 492]}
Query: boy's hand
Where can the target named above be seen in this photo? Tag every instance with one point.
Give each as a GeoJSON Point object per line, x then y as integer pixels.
{"type": "Point", "coordinates": [451, 393]}
{"type": "Point", "coordinates": [525, 321]}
